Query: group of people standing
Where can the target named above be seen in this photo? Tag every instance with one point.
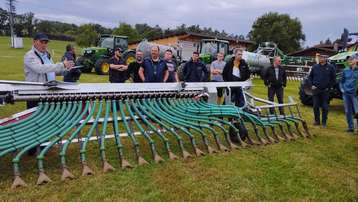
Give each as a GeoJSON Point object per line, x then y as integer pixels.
{"type": "Point", "coordinates": [39, 67]}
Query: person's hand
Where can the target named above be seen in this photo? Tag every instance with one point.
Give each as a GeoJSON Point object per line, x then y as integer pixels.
{"type": "Point", "coordinates": [314, 88]}
{"type": "Point", "coordinates": [68, 64]}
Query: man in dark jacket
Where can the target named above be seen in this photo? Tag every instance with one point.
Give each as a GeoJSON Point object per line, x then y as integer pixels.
{"type": "Point", "coordinates": [133, 68]}
{"type": "Point", "coordinates": [237, 70]}
{"type": "Point", "coordinates": [322, 77]}
{"type": "Point", "coordinates": [275, 79]}
{"type": "Point", "coordinates": [72, 75]}
{"type": "Point", "coordinates": [154, 69]}
{"type": "Point", "coordinates": [117, 68]}
{"type": "Point", "coordinates": [194, 70]}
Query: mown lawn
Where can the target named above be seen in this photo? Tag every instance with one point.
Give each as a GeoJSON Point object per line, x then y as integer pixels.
{"type": "Point", "coordinates": [324, 168]}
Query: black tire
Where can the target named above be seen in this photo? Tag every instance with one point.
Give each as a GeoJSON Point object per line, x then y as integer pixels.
{"type": "Point", "coordinates": [82, 61]}
{"type": "Point", "coordinates": [180, 71]}
{"type": "Point", "coordinates": [102, 66]}
{"type": "Point", "coordinates": [242, 132]}
{"type": "Point", "coordinates": [305, 99]}
{"type": "Point", "coordinates": [129, 57]}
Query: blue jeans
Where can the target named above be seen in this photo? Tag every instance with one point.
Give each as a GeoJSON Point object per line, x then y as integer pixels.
{"type": "Point", "coordinates": [350, 108]}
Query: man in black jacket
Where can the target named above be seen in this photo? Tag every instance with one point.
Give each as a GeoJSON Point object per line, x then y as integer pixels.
{"type": "Point", "coordinates": [322, 77]}
{"type": "Point", "coordinates": [194, 70]}
{"type": "Point", "coordinates": [275, 79]}
{"type": "Point", "coordinates": [237, 70]}
{"type": "Point", "coordinates": [133, 68]}
{"type": "Point", "coordinates": [117, 68]}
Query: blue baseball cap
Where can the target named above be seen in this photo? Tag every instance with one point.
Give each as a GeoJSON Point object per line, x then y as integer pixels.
{"type": "Point", "coordinates": [41, 36]}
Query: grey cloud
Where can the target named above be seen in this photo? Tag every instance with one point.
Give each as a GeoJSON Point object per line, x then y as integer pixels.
{"type": "Point", "coordinates": [320, 18]}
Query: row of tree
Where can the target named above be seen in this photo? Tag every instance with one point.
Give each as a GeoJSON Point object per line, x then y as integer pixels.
{"type": "Point", "coordinates": [279, 28]}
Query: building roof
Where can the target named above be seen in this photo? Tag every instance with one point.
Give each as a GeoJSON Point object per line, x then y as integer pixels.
{"type": "Point", "coordinates": [203, 35]}
{"type": "Point", "coordinates": [314, 48]}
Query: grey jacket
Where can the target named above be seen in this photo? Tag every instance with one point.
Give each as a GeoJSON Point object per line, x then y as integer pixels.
{"type": "Point", "coordinates": [35, 71]}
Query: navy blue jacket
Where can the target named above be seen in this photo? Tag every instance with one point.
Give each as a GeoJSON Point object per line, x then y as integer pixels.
{"type": "Point", "coordinates": [74, 74]}
{"type": "Point", "coordinates": [195, 72]}
{"type": "Point", "coordinates": [154, 71]}
{"type": "Point", "coordinates": [322, 76]}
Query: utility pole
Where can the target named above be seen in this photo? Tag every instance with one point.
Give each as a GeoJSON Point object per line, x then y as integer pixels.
{"type": "Point", "coordinates": [11, 4]}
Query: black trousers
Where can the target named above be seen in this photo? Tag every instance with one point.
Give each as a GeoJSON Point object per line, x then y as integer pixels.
{"type": "Point", "coordinates": [237, 96]}
{"type": "Point", "coordinates": [320, 101]}
{"type": "Point", "coordinates": [278, 91]}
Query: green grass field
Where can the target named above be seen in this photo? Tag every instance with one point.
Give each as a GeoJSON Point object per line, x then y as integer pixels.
{"type": "Point", "coordinates": [324, 168]}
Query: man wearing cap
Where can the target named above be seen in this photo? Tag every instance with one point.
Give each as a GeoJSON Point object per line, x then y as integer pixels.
{"type": "Point", "coordinates": [322, 77]}
{"type": "Point", "coordinates": [348, 86]}
{"type": "Point", "coordinates": [194, 70]}
{"type": "Point", "coordinates": [154, 69]}
{"type": "Point", "coordinates": [117, 68]}
{"type": "Point", "coordinates": [38, 65]}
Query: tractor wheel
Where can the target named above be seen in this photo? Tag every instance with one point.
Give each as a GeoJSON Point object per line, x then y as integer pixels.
{"type": "Point", "coordinates": [305, 99]}
{"type": "Point", "coordinates": [242, 132]}
{"type": "Point", "coordinates": [129, 58]}
{"type": "Point", "coordinates": [81, 61]}
{"type": "Point", "coordinates": [102, 66]}
{"type": "Point", "coordinates": [180, 71]}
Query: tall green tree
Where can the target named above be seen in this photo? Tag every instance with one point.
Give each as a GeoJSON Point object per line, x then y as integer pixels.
{"type": "Point", "coordinates": [87, 35]}
{"type": "Point", "coordinates": [278, 28]}
{"type": "Point", "coordinates": [127, 30]}
{"type": "Point", "coordinates": [4, 22]}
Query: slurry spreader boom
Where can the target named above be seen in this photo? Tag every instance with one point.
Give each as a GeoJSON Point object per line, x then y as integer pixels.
{"type": "Point", "coordinates": [172, 119]}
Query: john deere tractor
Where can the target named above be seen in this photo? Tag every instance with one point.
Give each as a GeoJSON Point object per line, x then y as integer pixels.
{"type": "Point", "coordinates": [209, 48]}
{"type": "Point", "coordinates": [97, 57]}
{"type": "Point", "coordinates": [340, 62]}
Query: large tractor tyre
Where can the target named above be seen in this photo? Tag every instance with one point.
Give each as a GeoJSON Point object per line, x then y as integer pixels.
{"type": "Point", "coordinates": [243, 132]}
{"type": "Point", "coordinates": [82, 61]}
{"type": "Point", "coordinates": [305, 99]}
{"type": "Point", "coordinates": [180, 71]}
{"type": "Point", "coordinates": [263, 71]}
{"type": "Point", "coordinates": [102, 66]}
{"type": "Point", "coordinates": [129, 57]}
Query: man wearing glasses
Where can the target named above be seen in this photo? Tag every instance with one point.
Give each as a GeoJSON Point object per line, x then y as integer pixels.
{"type": "Point", "coordinates": [38, 65]}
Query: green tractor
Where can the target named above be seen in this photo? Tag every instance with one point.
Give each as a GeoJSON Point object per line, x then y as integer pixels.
{"type": "Point", "coordinates": [97, 57]}
{"type": "Point", "coordinates": [209, 48]}
{"type": "Point", "coordinates": [340, 62]}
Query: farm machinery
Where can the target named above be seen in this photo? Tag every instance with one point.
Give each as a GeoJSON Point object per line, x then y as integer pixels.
{"type": "Point", "coordinates": [167, 120]}
{"type": "Point", "coordinates": [97, 57]}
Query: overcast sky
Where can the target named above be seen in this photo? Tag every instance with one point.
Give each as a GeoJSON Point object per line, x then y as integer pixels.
{"type": "Point", "coordinates": [320, 18]}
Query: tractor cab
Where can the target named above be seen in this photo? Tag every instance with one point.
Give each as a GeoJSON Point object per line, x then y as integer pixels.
{"type": "Point", "coordinates": [112, 42]}
{"type": "Point", "coordinates": [209, 48]}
